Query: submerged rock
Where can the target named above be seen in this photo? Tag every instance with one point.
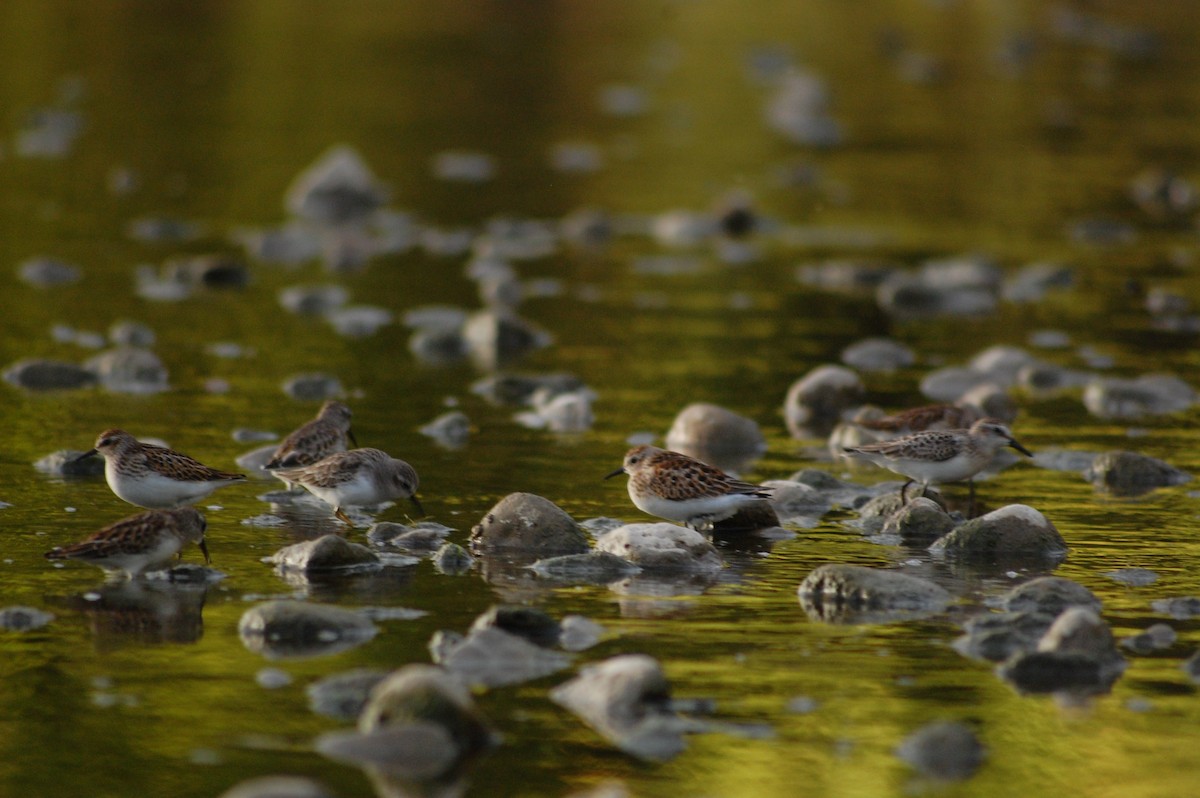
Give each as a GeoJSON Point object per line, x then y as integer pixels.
{"type": "Point", "coordinates": [627, 699]}
{"type": "Point", "coordinates": [38, 374]}
{"type": "Point", "coordinates": [452, 429]}
{"type": "Point", "coordinates": [1156, 637]}
{"type": "Point", "coordinates": [313, 387]}
{"type": "Point", "coordinates": [338, 188]}
{"type": "Point", "coordinates": [945, 750]}
{"type": "Point", "coordinates": [493, 657]}
{"type": "Point", "coordinates": [529, 523]}
{"type": "Point", "coordinates": [48, 273]}
{"type": "Point", "coordinates": [531, 624]}
{"type": "Point", "coordinates": [278, 787]}
{"type": "Point", "coordinates": [23, 619]}
{"type": "Point", "coordinates": [421, 536]}
{"type": "Point", "coordinates": [66, 463]}
{"type": "Point", "coordinates": [878, 354]}
{"type": "Point", "coordinates": [128, 369]}
{"type": "Point", "coordinates": [918, 520]}
{"type": "Point", "coordinates": [839, 593]}
{"type": "Point", "coordinates": [662, 547]}
{"type": "Point", "coordinates": [420, 724]}
{"type": "Point", "coordinates": [1051, 595]}
{"type": "Point", "coordinates": [326, 553]}
{"type": "Point", "coordinates": [1148, 395]}
{"type": "Point", "coordinates": [816, 402]}
{"type": "Point", "coordinates": [453, 559]}
{"type": "Point", "coordinates": [1014, 530]}
{"type": "Point", "coordinates": [1132, 474]}
{"type": "Point", "coordinates": [1076, 655]}
{"type": "Point", "coordinates": [594, 567]}
{"type": "Point", "coordinates": [313, 300]}
{"type": "Point", "coordinates": [496, 338]}
{"type": "Point", "coordinates": [282, 629]}
{"type": "Point", "coordinates": [343, 695]}
{"type": "Point", "coordinates": [795, 500]}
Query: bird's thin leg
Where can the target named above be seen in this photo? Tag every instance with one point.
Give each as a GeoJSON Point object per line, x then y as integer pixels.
{"type": "Point", "coordinates": [903, 498]}
{"type": "Point", "coordinates": [337, 511]}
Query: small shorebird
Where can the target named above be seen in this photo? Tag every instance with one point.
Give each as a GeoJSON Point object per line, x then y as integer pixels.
{"type": "Point", "coordinates": [356, 477]}
{"type": "Point", "coordinates": [680, 488]}
{"type": "Point", "coordinates": [154, 476]}
{"type": "Point", "coordinates": [941, 455]}
{"type": "Point", "coordinates": [139, 543]}
{"type": "Point", "coordinates": [919, 419]}
{"type": "Point", "coordinates": [324, 435]}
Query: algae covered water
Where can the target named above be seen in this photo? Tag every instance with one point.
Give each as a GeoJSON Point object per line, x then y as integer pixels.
{"type": "Point", "coordinates": [679, 202]}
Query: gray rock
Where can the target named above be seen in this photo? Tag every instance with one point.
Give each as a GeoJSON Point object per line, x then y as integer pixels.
{"type": "Point", "coordinates": [326, 553]}
{"type": "Point", "coordinates": [878, 354]}
{"type": "Point", "coordinates": [525, 622]}
{"type": "Point", "coordinates": [837, 593]}
{"type": "Point", "coordinates": [1076, 655]}
{"type": "Point", "coordinates": [252, 462]}
{"type": "Point", "coordinates": [1148, 395]}
{"type": "Point", "coordinates": [66, 463]}
{"type": "Point", "coordinates": [358, 321]}
{"type": "Point", "coordinates": [38, 374]}
{"type": "Point", "coordinates": [209, 271]}
{"type": "Point", "coordinates": [579, 633]}
{"type": "Point", "coordinates": [313, 300]}
{"type": "Point", "coordinates": [1191, 667]}
{"type": "Point", "coordinates": [23, 619]}
{"type": "Point", "coordinates": [951, 383]}
{"type": "Point", "coordinates": [752, 517]}
{"type": "Point", "coordinates": [662, 547]}
{"type": "Point", "coordinates": [594, 567]}
{"type": "Point", "coordinates": [338, 188]}
{"type": "Point", "coordinates": [909, 296]}
{"type": "Point", "coordinates": [920, 519]}
{"type": "Point", "coordinates": [421, 536]}
{"type": "Point", "coordinates": [795, 500]}
{"type": "Point", "coordinates": [451, 429]}
{"type": "Point", "coordinates": [285, 629]}
{"type": "Point", "coordinates": [1132, 474]}
{"type": "Point", "coordinates": [419, 724]}
{"type": "Point", "coordinates": [518, 389]}
{"type": "Point", "coordinates": [1045, 380]}
{"type": "Point", "coordinates": [996, 637]}
{"type": "Point", "coordinates": [946, 750]}
{"type": "Point", "coordinates": [313, 387]}
{"type": "Point", "coordinates": [816, 402]}
{"type": "Point", "coordinates": [1035, 280]}
{"type": "Point", "coordinates": [278, 787]}
{"type": "Point", "coordinates": [1180, 608]}
{"type": "Point", "coordinates": [704, 427]}
{"type": "Point", "coordinates": [496, 338]}
{"type": "Point", "coordinates": [627, 700]}
{"type": "Point", "coordinates": [1156, 637]}
{"type": "Point", "coordinates": [528, 523]}
{"type": "Point", "coordinates": [1014, 530]}
{"type": "Point", "coordinates": [492, 657]}
{"type": "Point", "coordinates": [452, 559]}
{"type": "Point", "coordinates": [48, 273]}
{"type": "Point", "coordinates": [1133, 577]}
{"type": "Point", "coordinates": [1050, 595]}
{"type": "Point", "coordinates": [1079, 630]}
{"type": "Point", "coordinates": [128, 369]}
{"type": "Point", "coordinates": [844, 276]}
{"type": "Point", "coordinates": [438, 345]}
{"type": "Point", "coordinates": [343, 695]}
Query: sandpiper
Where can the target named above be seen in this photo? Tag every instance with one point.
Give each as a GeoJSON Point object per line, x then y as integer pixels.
{"type": "Point", "coordinates": [139, 543]}
{"type": "Point", "coordinates": [925, 417]}
{"type": "Point", "coordinates": [676, 487]}
{"type": "Point", "coordinates": [941, 455]}
{"type": "Point", "coordinates": [154, 476]}
{"type": "Point", "coordinates": [356, 477]}
{"type": "Point", "coordinates": [321, 437]}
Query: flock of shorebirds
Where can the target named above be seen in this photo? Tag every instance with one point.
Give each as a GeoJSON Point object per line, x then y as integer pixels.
{"type": "Point", "coordinates": [933, 448]}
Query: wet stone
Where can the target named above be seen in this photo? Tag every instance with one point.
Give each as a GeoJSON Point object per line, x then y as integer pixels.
{"type": "Point", "coordinates": [1191, 667]}
{"type": "Point", "coordinates": [337, 188]}
{"type": "Point", "coordinates": [518, 389]}
{"type": "Point", "coordinates": [452, 429]}
{"type": "Point", "coordinates": [452, 559]}
{"type": "Point", "coordinates": [48, 273]}
{"type": "Point", "coordinates": [209, 271]}
{"type": "Point", "coordinates": [1132, 474]}
{"type": "Point", "coordinates": [531, 624]}
{"type": "Point", "coordinates": [343, 695]}
{"type": "Point", "coordinates": [594, 567]}
{"type": "Point", "coordinates": [278, 787]}
{"type": "Point", "coordinates": [920, 519]}
{"type": "Point", "coordinates": [1181, 608]}
{"type": "Point", "coordinates": [1049, 594]}
{"type": "Point", "coordinates": [1157, 637]}
{"type": "Point", "coordinates": [326, 553]}
{"type": "Point", "coordinates": [1014, 530]}
{"type": "Point", "coordinates": [707, 427]}
{"type": "Point", "coordinates": [662, 547]}
{"type": "Point", "coordinates": [816, 402]}
{"type": "Point", "coordinates": [313, 387]}
{"type": "Point", "coordinates": [878, 354]}
{"type": "Point", "coordinates": [422, 536]}
{"type": "Point", "coordinates": [844, 276]}
{"type": "Point", "coordinates": [838, 593]}
{"type": "Point", "coordinates": [284, 629]}
{"type": "Point", "coordinates": [358, 321]}
{"type": "Point", "coordinates": [492, 657]}
{"type": "Point", "coordinates": [578, 633]}
{"type": "Point", "coordinates": [1133, 577]}
{"type": "Point", "coordinates": [497, 338]}
{"type": "Point", "coordinates": [796, 500]}
{"type": "Point", "coordinates": [37, 374]}
{"type": "Point", "coordinates": [1148, 395]}
{"type": "Point", "coordinates": [997, 636]}
{"type": "Point", "coordinates": [23, 619]}
{"type": "Point", "coordinates": [66, 463]}
{"type": "Point", "coordinates": [313, 300]}
{"type": "Point", "coordinates": [530, 523]}
{"type": "Point", "coordinates": [627, 700]}
{"type": "Point", "coordinates": [128, 369]}
{"type": "Point", "coordinates": [945, 750]}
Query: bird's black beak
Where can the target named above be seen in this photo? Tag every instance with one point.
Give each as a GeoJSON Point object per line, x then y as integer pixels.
{"type": "Point", "coordinates": [204, 550]}
{"type": "Point", "coordinates": [350, 435]}
{"type": "Point", "coordinates": [1019, 448]}
{"type": "Point", "coordinates": [85, 455]}
{"type": "Point", "coordinates": [416, 503]}
{"type": "Point", "coordinates": [620, 470]}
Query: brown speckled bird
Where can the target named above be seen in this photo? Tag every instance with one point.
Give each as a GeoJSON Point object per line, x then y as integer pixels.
{"type": "Point", "coordinates": [324, 435]}
{"type": "Point", "coordinates": [139, 543]}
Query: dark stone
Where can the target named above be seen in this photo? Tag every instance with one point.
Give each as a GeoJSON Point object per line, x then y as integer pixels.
{"type": "Point", "coordinates": [530, 523]}
{"type": "Point", "coordinates": [66, 463]}
{"type": "Point", "coordinates": [326, 553]}
{"type": "Point", "coordinates": [36, 374]}
{"type": "Point", "coordinates": [1014, 530]}
{"type": "Point", "coordinates": [946, 750]}
{"type": "Point", "coordinates": [534, 625]}
{"type": "Point", "coordinates": [343, 695]}
{"type": "Point", "coordinates": [1132, 474]}
{"type": "Point", "coordinates": [280, 629]}
{"type": "Point", "coordinates": [839, 593]}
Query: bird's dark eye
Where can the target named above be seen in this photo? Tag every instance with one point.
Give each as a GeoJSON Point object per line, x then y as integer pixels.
{"type": "Point", "coordinates": [634, 460]}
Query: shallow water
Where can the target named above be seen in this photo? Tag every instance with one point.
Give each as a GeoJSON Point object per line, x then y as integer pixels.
{"type": "Point", "coordinates": [216, 107]}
